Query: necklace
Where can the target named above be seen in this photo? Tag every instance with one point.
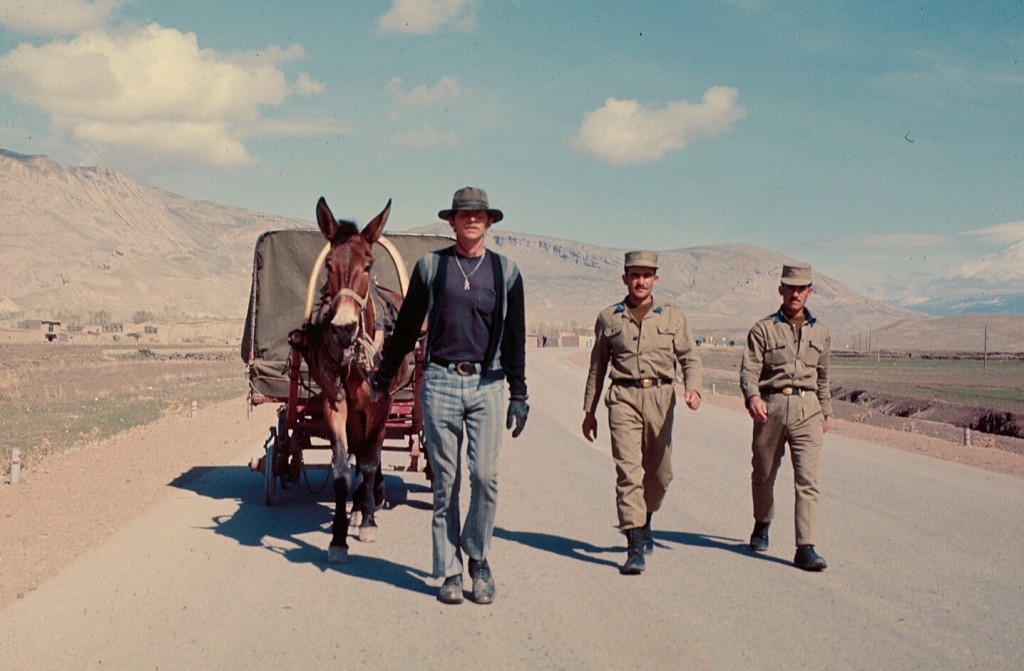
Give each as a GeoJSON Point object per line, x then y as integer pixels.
{"type": "Point", "coordinates": [458, 264]}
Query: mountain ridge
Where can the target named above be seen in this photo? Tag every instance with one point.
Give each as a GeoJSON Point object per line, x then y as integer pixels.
{"type": "Point", "coordinates": [77, 241]}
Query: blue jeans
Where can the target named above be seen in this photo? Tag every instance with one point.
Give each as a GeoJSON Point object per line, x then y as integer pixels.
{"type": "Point", "coordinates": [454, 406]}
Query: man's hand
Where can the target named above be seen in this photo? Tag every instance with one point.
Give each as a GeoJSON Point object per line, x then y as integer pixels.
{"type": "Point", "coordinates": [517, 413]}
{"type": "Point", "coordinates": [692, 398]}
{"type": "Point", "coordinates": [590, 426]}
{"type": "Point", "coordinates": [378, 385]}
{"type": "Point", "coordinates": [758, 409]}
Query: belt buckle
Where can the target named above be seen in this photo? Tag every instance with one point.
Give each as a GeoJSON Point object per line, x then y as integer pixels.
{"type": "Point", "coordinates": [787, 391]}
{"type": "Point", "coordinates": [646, 383]}
{"type": "Point", "coordinates": [464, 368]}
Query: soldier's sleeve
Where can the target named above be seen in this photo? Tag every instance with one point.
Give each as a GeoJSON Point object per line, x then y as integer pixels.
{"type": "Point", "coordinates": [824, 389]}
{"type": "Point", "coordinates": [752, 363]}
{"type": "Point", "coordinates": [686, 355]}
{"type": "Point", "coordinates": [598, 368]}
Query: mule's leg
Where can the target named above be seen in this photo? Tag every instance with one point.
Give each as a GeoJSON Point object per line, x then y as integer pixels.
{"type": "Point", "coordinates": [341, 476]}
{"type": "Point", "coordinates": [370, 468]}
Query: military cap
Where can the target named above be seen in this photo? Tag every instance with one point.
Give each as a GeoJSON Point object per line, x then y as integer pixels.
{"type": "Point", "coordinates": [642, 259]}
{"type": "Point", "coordinates": [796, 274]}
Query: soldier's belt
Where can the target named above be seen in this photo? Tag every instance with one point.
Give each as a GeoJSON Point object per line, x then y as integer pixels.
{"type": "Point", "coordinates": [792, 391]}
{"type": "Point", "coordinates": [642, 383]}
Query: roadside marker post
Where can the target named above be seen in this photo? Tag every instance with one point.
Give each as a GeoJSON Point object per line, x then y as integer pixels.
{"type": "Point", "coordinates": [967, 436]}
{"type": "Point", "coordinates": [15, 466]}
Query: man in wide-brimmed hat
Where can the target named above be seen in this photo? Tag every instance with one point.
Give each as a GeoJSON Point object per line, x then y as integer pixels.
{"type": "Point", "coordinates": [476, 339]}
{"type": "Point", "coordinates": [784, 379]}
{"type": "Point", "coordinates": [642, 341]}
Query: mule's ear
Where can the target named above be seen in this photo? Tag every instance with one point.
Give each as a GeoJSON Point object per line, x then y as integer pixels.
{"type": "Point", "coordinates": [325, 219]}
{"type": "Point", "coordinates": [373, 229]}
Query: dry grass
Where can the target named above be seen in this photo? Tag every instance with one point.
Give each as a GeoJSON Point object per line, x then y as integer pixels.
{"type": "Point", "coordinates": [55, 396]}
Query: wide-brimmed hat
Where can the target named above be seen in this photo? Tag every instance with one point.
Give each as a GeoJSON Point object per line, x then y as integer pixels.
{"type": "Point", "coordinates": [643, 259]}
{"type": "Point", "coordinates": [796, 274]}
{"type": "Point", "coordinates": [471, 198]}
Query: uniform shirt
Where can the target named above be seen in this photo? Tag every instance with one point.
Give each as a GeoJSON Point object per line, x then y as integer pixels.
{"type": "Point", "coordinates": [649, 348]}
{"type": "Point", "coordinates": [780, 355]}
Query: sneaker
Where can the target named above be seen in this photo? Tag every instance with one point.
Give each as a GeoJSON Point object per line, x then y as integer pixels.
{"type": "Point", "coordinates": [483, 581]}
{"type": "Point", "coordinates": [451, 590]}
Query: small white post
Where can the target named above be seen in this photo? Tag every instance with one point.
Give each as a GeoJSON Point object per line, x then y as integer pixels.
{"type": "Point", "coordinates": [712, 388]}
{"type": "Point", "coordinates": [195, 407]}
{"type": "Point", "coordinates": [967, 436]}
{"type": "Point", "coordinates": [15, 466]}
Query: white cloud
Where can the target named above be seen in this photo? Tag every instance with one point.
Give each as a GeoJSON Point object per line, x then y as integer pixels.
{"type": "Point", "coordinates": [446, 89]}
{"type": "Point", "coordinates": [56, 17]}
{"type": "Point", "coordinates": [424, 17]}
{"type": "Point", "coordinates": [1001, 234]}
{"type": "Point", "coordinates": [426, 136]}
{"type": "Point", "coordinates": [625, 132]}
{"type": "Point", "coordinates": [152, 87]}
{"type": "Point", "coordinates": [1003, 266]}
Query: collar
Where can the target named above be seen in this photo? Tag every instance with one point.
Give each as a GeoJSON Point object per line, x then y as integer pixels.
{"type": "Point", "coordinates": [656, 307]}
{"type": "Point", "coordinates": [780, 317]}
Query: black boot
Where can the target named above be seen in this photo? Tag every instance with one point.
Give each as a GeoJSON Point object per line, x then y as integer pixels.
{"type": "Point", "coordinates": [648, 536]}
{"type": "Point", "coordinates": [809, 560]}
{"type": "Point", "coordinates": [635, 559]}
{"type": "Point", "coordinates": [759, 539]}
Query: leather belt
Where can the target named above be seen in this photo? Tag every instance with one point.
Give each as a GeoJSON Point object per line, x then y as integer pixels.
{"type": "Point", "coordinates": [642, 383]}
{"type": "Point", "coordinates": [460, 367]}
{"type": "Point", "coordinates": [792, 391]}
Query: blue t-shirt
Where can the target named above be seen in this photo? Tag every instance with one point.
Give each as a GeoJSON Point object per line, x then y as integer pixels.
{"type": "Point", "coordinates": [465, 322]}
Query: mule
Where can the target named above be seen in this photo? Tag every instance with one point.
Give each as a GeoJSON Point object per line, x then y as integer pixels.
{"type": "Point", "coordinates": [340, 346]}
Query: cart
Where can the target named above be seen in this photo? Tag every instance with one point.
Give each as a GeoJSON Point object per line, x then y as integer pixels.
{"type": "Point", "coordinates": [287, 274]}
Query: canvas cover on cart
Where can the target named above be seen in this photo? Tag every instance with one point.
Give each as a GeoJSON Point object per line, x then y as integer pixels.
{"type": "Point", "coordinates": [282, 264]}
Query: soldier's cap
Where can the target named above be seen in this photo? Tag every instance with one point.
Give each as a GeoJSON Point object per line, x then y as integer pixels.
{"type": "Point", "coordinates": [642, 259]}
{"type": "Point", "coordinates": [471, 198]}
{"type": "Point", "coordinates": [796, 274]}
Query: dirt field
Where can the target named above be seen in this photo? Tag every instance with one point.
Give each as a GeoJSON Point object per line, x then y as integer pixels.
{"type": "Point", "coordinates": [54, 396]}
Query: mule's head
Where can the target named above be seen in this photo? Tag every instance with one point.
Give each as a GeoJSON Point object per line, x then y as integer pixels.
{"type": "Point", "coordinates": [349, 264]}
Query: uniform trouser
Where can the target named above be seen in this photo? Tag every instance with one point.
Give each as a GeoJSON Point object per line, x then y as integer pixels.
{"type": "Point", "coordinates": [798, 421]}
{"type": "Point", "coordinates": [640, 425]}
{"type": "Point", "coordinates": [457, 406]}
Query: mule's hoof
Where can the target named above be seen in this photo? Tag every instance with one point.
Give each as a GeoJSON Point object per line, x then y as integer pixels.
{"type": "Point", "coordinates": [355, 519]}
{"type": "Point", "coordinates": [368, 534]}
{"type": "Point", "coordinates": [337, 554]}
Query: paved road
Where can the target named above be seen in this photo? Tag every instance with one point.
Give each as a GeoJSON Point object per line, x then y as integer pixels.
{"type": "Point", "coordinates": [924, 569]}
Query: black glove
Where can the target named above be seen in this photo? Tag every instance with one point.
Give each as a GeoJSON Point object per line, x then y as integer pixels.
{"type": "Point", "coordinates": [517, 412]}
{"type": "Point", "coordinates": [378, 385]}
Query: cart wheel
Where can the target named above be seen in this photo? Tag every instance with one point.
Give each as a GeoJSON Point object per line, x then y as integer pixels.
{"type": "Point", "coordinates": [270, 468]}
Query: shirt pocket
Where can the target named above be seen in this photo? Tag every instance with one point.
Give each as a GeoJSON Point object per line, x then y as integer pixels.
{"type": "Point", "coordinates": [812, 353]}
{"type": "Point", "coordinates": [775, 352]}
{"type": "Point", "coordinates": [667, 336]}
{"type": "Point", "coordinates": [616, 338]}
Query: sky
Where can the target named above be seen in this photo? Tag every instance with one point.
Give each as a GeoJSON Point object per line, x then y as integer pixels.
{"type": "Point", "coordinates": [883, 142]}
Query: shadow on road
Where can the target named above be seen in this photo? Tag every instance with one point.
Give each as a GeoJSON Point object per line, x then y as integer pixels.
{"type": "Point", "coordinates": [714, 542]}
{"type": "Point", "coordinates": [299, 512]}
{"type": "Point", "coordinates": [560, 545]}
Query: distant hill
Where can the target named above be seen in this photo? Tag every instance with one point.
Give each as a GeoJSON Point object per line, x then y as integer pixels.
{"type": "Point", "coordinates": [76, 241]}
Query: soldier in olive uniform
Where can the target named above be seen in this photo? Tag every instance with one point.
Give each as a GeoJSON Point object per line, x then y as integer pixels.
{"type": "Point", "coordinates": [643, 341]}
{"type": "Point", "coordinates": [784, 379]}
